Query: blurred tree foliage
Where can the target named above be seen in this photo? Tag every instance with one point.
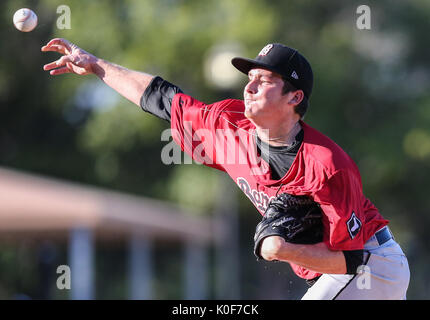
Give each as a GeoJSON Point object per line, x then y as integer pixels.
{"type": "Point", "coordinates": [370, 95]}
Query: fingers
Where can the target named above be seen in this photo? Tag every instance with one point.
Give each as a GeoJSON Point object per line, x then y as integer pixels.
{"type": "Point", "coordinates": [59, 45]}
{"type": "Point", "coordinates": [59, 63]}
{"type": "Point", "coordinates": [72, 60]}
{"type": "Point", "coordinates": [59, 71]}
{"type": "Point", "coordinates": [58, 41]}
{"type": "Point", "coordinates": [50, 66]}
{"type": "Point", "coordinates": [55, 48]}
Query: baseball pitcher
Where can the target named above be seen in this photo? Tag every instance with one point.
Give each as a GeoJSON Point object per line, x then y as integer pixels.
{"type": "Point", "coordinates": [307, 189]}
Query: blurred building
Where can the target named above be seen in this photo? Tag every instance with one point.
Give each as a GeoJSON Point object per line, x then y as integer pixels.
{"type": "Point", "coordinates": [43, 208]}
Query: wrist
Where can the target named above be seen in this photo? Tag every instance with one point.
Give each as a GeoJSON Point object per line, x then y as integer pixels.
{"type": "Point", "coordinates": [98, 66]}
{"type": "Point", "coordinates": [272, 248]}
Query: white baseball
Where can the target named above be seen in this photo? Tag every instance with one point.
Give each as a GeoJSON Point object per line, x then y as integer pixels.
{"type": "Point", "coordinates": [25, 20]}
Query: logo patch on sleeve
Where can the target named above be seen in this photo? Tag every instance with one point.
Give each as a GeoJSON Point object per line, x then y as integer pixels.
{"type": "Point", "coordinates": [353, 225]}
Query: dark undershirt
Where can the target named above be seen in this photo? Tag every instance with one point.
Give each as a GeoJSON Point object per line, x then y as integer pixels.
{"type": "Point", "coordinates": [157, 100]}
{"type": "Point", "coordinates": [279, 159]}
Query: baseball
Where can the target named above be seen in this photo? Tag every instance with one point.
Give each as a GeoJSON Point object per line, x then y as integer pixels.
{"type": "Point", "coordinates": [25, 20]}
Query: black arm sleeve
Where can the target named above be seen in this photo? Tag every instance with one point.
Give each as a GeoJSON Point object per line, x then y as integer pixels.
{"type": "Point", "coordinates": [354, 259]}
{"type": "Point", "coordinates": [157, 98]}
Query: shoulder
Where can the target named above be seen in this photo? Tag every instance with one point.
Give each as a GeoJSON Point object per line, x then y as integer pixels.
{"type": "Point", "coordinates": [183, 100]}
{"type": "Point", "coordinates": [324, 152]}
{"type": "Point", "coordinates": [231, 109]}
{"type": "Point", "coordinates": [221, 114]}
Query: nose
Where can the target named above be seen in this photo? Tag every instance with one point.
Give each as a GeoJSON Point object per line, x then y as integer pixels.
{"type": "Point", "coordinates": [251, 87]}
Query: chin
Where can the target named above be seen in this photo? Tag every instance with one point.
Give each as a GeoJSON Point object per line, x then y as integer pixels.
{"type": "Point", "coordinates": [249, 114]}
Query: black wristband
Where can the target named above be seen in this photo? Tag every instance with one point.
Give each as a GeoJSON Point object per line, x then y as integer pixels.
{"type": "Point", "coordinates": [353, 259]}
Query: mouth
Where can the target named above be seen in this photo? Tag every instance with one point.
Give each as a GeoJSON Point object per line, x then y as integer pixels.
{"type": "Point", "coordinates": [248, 102]}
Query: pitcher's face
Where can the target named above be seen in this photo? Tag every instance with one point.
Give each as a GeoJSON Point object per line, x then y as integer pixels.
{"type": "Point", "coordinates": [263, 95]}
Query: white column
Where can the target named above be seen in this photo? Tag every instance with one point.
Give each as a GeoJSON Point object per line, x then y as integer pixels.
{"type": "Point", "coordinates": [140, 271]}
{"type": "Point", "coordinates": [196, 271]}
{"type": "Point", "coordinates": [81, 257]}
{"type": "Point", "coordinates": [227, 251]}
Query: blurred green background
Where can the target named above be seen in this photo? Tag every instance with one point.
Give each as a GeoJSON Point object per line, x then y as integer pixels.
{"type": "Point", "coordinates": [371, 95]}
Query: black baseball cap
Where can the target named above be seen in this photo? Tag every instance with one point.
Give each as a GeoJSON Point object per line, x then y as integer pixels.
{"type": "Point", "coordinates": [286, 61]}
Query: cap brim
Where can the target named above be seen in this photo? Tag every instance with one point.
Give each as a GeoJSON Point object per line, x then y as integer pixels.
{"type": "Point", "coordinates": [244, 65]}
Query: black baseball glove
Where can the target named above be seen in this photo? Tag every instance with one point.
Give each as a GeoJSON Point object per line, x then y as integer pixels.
{"type": "Point", "coordinates": [297, 219]}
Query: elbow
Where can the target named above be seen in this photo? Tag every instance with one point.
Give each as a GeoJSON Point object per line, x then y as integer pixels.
{"type": "Point", "coordinates": [271, 248]}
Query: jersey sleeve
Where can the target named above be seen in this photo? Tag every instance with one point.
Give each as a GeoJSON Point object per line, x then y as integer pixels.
{"type": "Point", "coordinates": [194, 125]}
{"type": "Point", "coordinates": [157, 98]}
{"type": "Point", "coordinates": [344, 215]}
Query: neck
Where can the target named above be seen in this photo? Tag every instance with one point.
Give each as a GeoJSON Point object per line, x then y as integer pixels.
{"type": "Point", "coordinates": [284, 136]}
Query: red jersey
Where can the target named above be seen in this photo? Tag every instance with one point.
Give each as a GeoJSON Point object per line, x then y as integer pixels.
{"type": "Point", "coordinates": [220, 136]}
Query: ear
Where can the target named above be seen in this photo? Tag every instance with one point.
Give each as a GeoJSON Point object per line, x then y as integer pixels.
{"type": "Point", "coordinates": [297, 97]}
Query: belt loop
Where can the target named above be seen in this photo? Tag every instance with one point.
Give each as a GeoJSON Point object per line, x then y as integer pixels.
{"type": "Point", "coordinates": [383, 235]}
{"type": "Point", "coordinates": [392, 235]}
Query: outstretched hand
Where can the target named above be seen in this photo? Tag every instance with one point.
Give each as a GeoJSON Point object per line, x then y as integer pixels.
{"type": "Point", "coordinates": [74, 59]}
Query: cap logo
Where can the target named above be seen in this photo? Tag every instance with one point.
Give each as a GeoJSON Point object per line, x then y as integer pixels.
{"type": "Point", "coordinates": [266, 50]}
{"type": "Point", "coordinates": [294, 75]}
